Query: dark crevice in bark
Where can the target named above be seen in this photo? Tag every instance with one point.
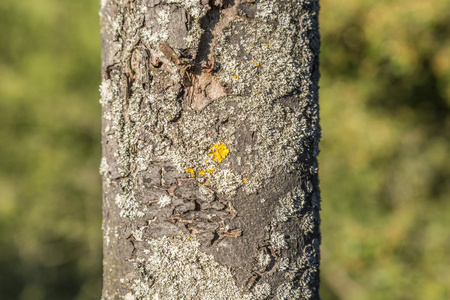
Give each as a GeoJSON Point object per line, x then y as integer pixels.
{"type": "Point", "coordinates": [197, 206]}
{"type": "Point", "coordinates": [207, 23]}
{"type": "Point", "coordinates": [215, 239]}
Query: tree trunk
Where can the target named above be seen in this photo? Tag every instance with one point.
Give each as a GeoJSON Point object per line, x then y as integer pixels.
{"type": "Point", "coordinates": [210, 139]}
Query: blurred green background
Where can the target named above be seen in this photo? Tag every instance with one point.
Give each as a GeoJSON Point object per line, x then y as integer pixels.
{"type": "Point", "coordinates": [50, 192]}
{"type": "Point", "coordinates": [384, 166]}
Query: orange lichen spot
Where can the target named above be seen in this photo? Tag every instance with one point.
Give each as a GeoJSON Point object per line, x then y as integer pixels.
{"type": "Point", "coordinates": [201, 172]}
{"type": "Point", "coordinates": [190, 171]}
{"type": "Point", "coordinates": [220, 152]}
{"type": "Point", "coordinates": [257, 64]}
{"type": "Point", "coordinates": [245, 179]}
{"type": "Point", "coordinates": [235, 76]}
{"type": "Point", "coordinates": [190, 239]}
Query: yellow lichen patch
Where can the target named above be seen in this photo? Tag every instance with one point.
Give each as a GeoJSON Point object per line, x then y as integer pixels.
{"type": "Point", "coordinates": [235, 76]}
{"type": "Point", "coordinates": [220, 151]}
{"type": "Point", "coordinates": [201, 172]}
{"type": "Point", "coordinates": [190, 171]}
{"type": "Point", "coordinates": [257, 64]}
{"type": "Point", "coordinates": [245, 179]}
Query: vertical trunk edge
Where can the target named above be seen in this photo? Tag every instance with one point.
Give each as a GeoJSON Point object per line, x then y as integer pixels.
{"type": "Point", "coordinates": [210, 141]}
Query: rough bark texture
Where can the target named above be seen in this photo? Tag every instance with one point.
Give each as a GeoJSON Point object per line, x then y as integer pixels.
{"type": "Point", "coordinates": [210, 138]}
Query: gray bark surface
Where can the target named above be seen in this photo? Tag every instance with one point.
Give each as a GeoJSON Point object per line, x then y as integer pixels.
{"type": "Point", "coordinates": [210, 138]}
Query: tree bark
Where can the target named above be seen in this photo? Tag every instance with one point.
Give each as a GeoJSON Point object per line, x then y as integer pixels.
{"type": "Point", "coordinates": [210, 139]}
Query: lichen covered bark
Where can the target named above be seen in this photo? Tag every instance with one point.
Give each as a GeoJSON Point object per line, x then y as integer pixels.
{"type": "Point", "coordinates": [210, 138]}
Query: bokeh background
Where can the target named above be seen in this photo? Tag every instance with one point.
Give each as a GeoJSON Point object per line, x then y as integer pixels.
{"type": "Point", "coordinates": [384, 161]}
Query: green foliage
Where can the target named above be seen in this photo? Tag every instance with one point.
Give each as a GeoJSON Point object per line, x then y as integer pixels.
{"type": "Point", "coordinates": [384, 164]}
{"type": "Point", "coordinates": [50, 199]}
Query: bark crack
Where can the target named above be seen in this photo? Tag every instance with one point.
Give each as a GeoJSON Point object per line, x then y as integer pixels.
{"type": "Point", "coordinates": [197, 67]}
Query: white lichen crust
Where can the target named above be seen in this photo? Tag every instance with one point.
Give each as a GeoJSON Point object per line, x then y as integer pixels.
{"type": "Point", "coordinates": [177, 269]}
{"type": "Point", "coordinates": [262, 291]}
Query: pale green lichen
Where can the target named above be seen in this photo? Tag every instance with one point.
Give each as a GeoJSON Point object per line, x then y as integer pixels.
{"type": "Point", "coordinates": [266, 9]}
{"type": "Point", "coordinates": [292, 272]}
{"type": "Point", "coordinates": [106, 92]}
{"type": "Point", "coordinates": [291, 204]}
{"type": "Point", "coordinates": [177, 269]}
{"type": "Point", "coordinates": [226, 181]}
{"type": "Point", "coordinates": [262, 290]}
{"type": "Point", "coordinates": [159, 33]}
{"type": "Point", "coordinates": [310, 258]}
{"type": "Point", "coordinates": [288, 291]}
{"type": "Point", "coordinates": [264, 259]}
{"type": "Point", "coordinates": [278, 240]}
{"type": "Point", "coordinates": [307, 265]}
{"type": "Point", "coordinates": [207, 193]}
{"type": "Point", "coordinates": [156, 37]}
{"type": "Point", "coordinates": [277, 73]}
{"type": "Point", "coordinates": [129, 296]}
{"type": "Point", "coordinates": [283, 264]}
{"type": "Point", "coordinates": [139, 233]}
{"type": "Point", "coordinates": [129, 207]}
{"type": "Point", "coordinates": [193, 7]}
{"type": "Point", "coordinates": [194, 35]}
{"type": "Point", "coordinates": [310, 221]}
{"type": "Point", "coordinates": [103, 166]}
{"type": "Point", "coordinates": [164, 200]}
{"type": "Point", "coordinates": [106, 237]}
